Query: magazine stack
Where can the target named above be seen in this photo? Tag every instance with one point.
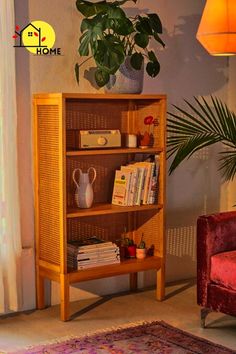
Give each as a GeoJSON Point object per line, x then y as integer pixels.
{"type": "Point", "coordinates": [93, 252]}
{"type": "Point", "coordinates": [137, 183]}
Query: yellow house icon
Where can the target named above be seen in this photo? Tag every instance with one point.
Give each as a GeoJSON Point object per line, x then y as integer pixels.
{"type": "Point", "coordinates": [38, 37]}
{"type": "Point", "coordinates": [31, 36]}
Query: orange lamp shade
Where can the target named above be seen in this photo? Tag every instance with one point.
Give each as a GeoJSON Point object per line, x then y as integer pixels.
{"type": "Point", "coordinates": [217, 29]}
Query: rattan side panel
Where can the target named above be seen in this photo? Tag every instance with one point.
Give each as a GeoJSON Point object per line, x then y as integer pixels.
{"type": "Point", "coordinates": [49, 189]}
{"type": "Point", "coordinates": [149, 224]}
{"type": "Point", "coordinates": [103, 185]}
{"type": "Point", "coordinates": [106, 227]}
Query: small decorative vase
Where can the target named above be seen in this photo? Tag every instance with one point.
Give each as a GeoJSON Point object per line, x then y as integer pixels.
{"type": "Point", "coordinates": [126, 79]}
{"type": "Point", "coordinates": [141, 253]}
{"type": "Point", "coordinates": [84, 189]}
{"type": "Point", "coordinates": [144, 140]}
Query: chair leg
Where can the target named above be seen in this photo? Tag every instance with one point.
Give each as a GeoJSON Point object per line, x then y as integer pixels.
{"type": "Point", "coordinates": [203, 314]}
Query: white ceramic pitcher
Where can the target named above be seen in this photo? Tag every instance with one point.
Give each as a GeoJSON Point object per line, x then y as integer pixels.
{"type": "Point", "coordinates": [84, 189]}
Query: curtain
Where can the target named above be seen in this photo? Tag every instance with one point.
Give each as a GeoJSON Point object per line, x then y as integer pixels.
{"type": "Point", "coordinates": [10, 237]}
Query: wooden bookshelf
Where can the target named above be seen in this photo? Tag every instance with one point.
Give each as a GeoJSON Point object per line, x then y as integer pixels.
{"type": "Point", "coordinates": [57, 119]}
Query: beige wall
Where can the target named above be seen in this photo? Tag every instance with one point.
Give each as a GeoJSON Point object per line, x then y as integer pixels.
{"type": "Point", "coordinates": [186, 70]}
{"type": "Point", "coordinates": [56, 74]}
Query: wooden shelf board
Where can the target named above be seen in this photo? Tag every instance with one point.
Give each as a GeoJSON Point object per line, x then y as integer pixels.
{"type": "Point", "coordinates": [125, 267]}
{"type": "Point", "coordinates": [102, 209]}
{"type": "Point", "coordinates": [104, 96]}
{"type": "Point", "coordinates": [154, 150]}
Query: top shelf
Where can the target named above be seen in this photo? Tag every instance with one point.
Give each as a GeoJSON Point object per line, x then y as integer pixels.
{"type": "Point", "coordinates": [155, 150]}
{"type": "Point", "coordinates": [104, 96]}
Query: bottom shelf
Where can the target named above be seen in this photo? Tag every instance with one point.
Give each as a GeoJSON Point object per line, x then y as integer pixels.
{"type": "Point", "coordinates": [124, 267]}
{"type": "Point", "coordinates": [129, 266]}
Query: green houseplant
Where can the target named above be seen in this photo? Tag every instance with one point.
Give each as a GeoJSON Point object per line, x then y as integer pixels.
{"type": "Point", "coordinates": [201, 125]}
{"type": "Point", "coordinates": [109, 36]}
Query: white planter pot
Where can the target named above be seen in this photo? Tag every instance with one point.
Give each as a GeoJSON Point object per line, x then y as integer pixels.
{"type": "Point", "coordinates": [126, 79]}
{"type": "Point", "coordinates": [141, 253]}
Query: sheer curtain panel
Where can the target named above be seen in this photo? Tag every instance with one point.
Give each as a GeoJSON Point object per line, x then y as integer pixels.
{"type": "Point", "coordinates": [10, 238]}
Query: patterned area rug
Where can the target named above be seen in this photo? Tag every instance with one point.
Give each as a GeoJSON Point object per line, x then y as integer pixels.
{"type": "Point", "coordinates": [147, 338]}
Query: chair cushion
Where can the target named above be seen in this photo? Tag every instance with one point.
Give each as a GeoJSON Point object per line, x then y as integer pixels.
{"type": "Point", "coordinates": [223, 269]}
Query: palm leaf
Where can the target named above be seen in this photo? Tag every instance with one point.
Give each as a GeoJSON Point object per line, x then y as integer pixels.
{"type": "Point", "coordinates": [228, 164]}
{"type": "Point", "coordinates": [195, 122]}
{"type": "Point", "coordinates": [202, 125]}
{"type": "Point", "coordinates": [187, 148]}
{"type": "Point", "coordinates": [206, 114]}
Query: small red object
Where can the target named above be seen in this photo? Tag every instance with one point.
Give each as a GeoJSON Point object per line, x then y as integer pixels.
{"type": "Point", "coordinates": [132, 251]}
{"type": "Point", "coordinates": [15, 36]}
{"type": "Point", "coordinates": [43, 39]}
{"type": "Point", "coordinates": [148, 120]}
{"type": "Point", "coordinates": [17, 28]}
{"type": "Point", "coordinates": [36, 34]}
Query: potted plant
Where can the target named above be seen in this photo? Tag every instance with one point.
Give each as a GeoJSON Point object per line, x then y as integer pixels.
{"type": "Point", "coordinates": [141, 249]}
{"type": "Point", "coordinates": [131, 248]}
{"type": "Point", "coordinates": [113, 39]}
{"type": "Point", "coordinates": [199, 126]}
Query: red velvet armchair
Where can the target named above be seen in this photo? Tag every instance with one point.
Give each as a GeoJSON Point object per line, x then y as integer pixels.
{"type": "Point", "coordinates": [216, 263]}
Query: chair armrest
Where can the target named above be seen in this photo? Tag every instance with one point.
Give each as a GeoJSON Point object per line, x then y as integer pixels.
{"type": "Point", "coordinates": [215, 233]}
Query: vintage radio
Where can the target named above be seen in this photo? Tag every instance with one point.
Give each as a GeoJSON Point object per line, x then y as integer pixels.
{"type": "Point", "coordinates": [94, 139]}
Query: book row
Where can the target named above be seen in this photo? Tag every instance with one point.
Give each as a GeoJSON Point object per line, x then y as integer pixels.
{"type": "Point", "coordinates": [137, 183]}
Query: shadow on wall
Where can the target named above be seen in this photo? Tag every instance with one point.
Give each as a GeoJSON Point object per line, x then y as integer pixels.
{"type": "Point", "coordinates": [193, 190]}
{"type": "Point", "coordinates": [196, 187]}
{"type": "Point", "coordinates": [89, 74]}
{"type": "Point", "coordinates": [186, 68]}
{"type": "Point", "coordinates": [181, 251]}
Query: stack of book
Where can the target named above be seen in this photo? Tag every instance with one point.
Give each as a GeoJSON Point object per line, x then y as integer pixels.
{"type": "Point", "coordinates": [92, 253]}
{"type": "Point", "coordinates": [136, 183]}
{"type": "Point", "coordinates": [72, 251]}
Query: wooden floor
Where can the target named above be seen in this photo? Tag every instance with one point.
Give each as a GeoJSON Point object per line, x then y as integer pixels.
{"type": "Point", "coordinates": [179, 309]}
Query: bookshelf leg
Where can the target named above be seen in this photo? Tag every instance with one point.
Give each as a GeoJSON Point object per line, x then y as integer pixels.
{"type": "Point", "coordinates": [160, 291]}
{"type": "Point", "coordinates": [40, 288]}
{"type": "Point", "coordinates": [65, 297]}
{"type": "Point", "coordinates": [133, 281]}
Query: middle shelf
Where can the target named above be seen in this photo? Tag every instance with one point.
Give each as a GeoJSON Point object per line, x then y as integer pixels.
{"type": "Point", "coordinates": [117, 151]}
{"type": "Point", "coordinates": [107, 208]}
